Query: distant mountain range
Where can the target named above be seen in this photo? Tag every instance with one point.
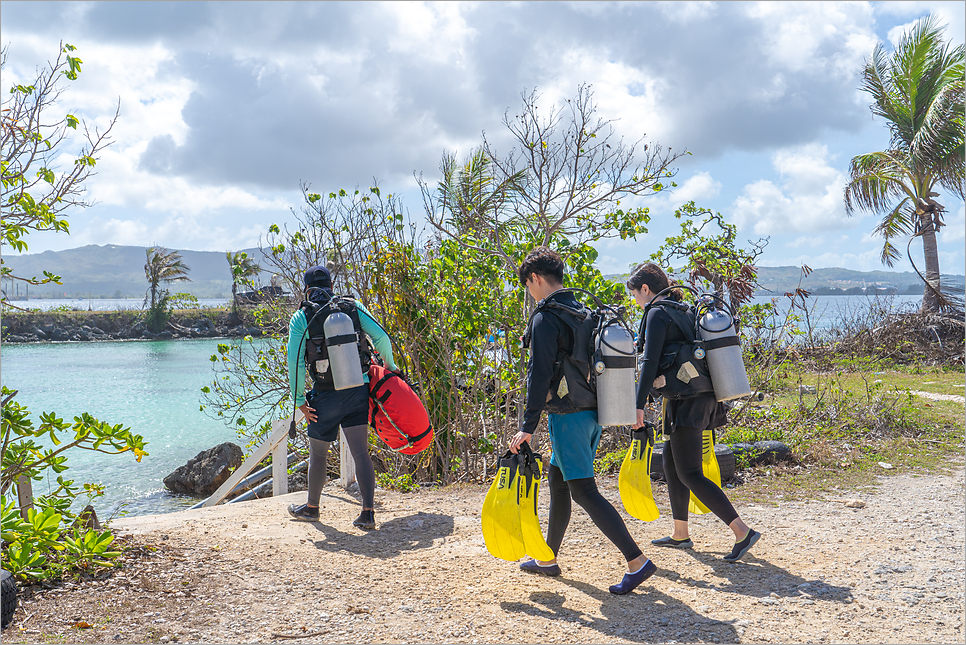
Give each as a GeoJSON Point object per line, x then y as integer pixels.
{"type": "Point", "coordinates": [838, 281]}
{"type": "Point", "coordinates": [112, 271]}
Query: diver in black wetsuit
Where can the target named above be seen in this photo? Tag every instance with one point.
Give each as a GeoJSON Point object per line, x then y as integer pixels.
{"type": "Point", "coordinates": [574, 431]}
{"type": "Point", "coordinates": [685, 420]}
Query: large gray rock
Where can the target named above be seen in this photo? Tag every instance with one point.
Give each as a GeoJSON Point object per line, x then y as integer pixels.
{"type": "Point", "coordinates": [206, 471]}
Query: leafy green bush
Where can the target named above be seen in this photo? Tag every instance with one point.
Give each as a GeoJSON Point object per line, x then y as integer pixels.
{"type": "Point", "coordinates": [50, 543]}
{"type": "Point", "coordinates": [403, 483]}
{"type": "Point", "coordinates": [183, 301]}
{"type": "Point", "coordinates": [46, 545]}
{"type": "Point", "coordinates": [159, 314]}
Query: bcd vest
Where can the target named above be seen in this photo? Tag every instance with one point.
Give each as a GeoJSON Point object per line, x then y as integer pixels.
{"type": "Point", "coordinates": [573, 386]}
{"type": "Point", "coordinates": [685, 377]}
{"type": "Point", "coordinates": [316, 349]}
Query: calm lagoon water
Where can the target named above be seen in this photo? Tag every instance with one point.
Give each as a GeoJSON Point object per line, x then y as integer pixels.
{"type": "Point", "coordinates": [154, 387]}
{"type": "Point", "coordinates": [151, 386]}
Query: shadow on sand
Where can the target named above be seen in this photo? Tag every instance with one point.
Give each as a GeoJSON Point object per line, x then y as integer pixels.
{"type": "Point", "coordinates": [648, 615]}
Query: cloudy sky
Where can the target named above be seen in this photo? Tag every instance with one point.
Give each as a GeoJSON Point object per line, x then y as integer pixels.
{"type": "Point", "coordinates": [226, 107]}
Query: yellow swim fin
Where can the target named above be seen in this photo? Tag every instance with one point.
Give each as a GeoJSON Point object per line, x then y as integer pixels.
{"type": "Point", "coordinates": [531, 470]}
{"type": "Point", "coordinates": [709, 464]}
{"type": "Point", "coordinates": [501, 513]}
{"type": "Point", "coordinates": [634, 480]}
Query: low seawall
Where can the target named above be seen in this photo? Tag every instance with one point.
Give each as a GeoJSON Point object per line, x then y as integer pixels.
{"type": "Point", "coordinates": [85, 326]}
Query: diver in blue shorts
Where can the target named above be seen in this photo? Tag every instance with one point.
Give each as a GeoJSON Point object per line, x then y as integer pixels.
{"type": "Point", "coordinates": [573, 427]}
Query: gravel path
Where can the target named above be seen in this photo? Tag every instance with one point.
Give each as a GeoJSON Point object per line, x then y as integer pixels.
{"type": "Point", "coordinates": [932, 396]}
{"type": "Point", "coordinates": [889, 572]}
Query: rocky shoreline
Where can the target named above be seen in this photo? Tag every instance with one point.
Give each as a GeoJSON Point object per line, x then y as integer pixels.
{"type": "Point", "coordinates": [57, 327]}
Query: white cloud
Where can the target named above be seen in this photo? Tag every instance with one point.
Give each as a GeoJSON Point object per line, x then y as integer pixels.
{"type": "Point", "coordinates": [130, 187]}
{"type": "Point", "coordinates": [805, 240]}
{"type": "Point", "coordinates": [685, 12]}
{"type": "Point", "coordinates": [174, 231]}
{"type": "Point", "coordinates": [808, 199]}
{"type": "Point", "coordinates": [700, 188]}
{"type": "Point", "coordinates": [433, 31]}
{"type": "Point", "coordinates": [608, 264]}
{"type": "Point", "coordinates": [950, 13]}
{"type": "Point", "coordinates": [799, 35]}
{"type": "Point", "coordinates": [863, 261]}
{"type": "Point", "coordinates": [697, 187]}
{"type": "Point", "coordinates": [952, 262]}
{"type": "Point", "coordinates": [955, 229]}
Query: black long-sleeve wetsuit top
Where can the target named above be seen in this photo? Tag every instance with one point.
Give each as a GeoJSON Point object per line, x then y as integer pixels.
{"type": "Point", "coordinates": [549, 336]}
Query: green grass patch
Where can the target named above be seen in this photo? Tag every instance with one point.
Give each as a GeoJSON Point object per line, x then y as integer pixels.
{"type": "Point", "coordinates": [402, 483]}
{"type": "Point", "coordinates": [610, 462]}
{"type": "Point", "coordinates": [843, 424]}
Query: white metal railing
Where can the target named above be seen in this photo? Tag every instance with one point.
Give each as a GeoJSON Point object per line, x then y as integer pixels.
{"type": "Point", "coordinates": [277, 445]}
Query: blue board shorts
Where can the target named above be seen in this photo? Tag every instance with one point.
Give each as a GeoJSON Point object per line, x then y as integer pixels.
{"type": "Point", "coordinates": [346, 408]}
{"type": "Point", "coordinates": [574, 438]}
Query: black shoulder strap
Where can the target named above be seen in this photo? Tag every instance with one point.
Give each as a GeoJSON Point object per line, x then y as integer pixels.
{"type": "Point", "coordinates": [679, 315]}
{"type": "Point", "coordinates": [571, 316]}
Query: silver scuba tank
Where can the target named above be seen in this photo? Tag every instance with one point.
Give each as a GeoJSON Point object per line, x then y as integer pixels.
{"type": "Point", "coordinates": [343, 348]}
{"type": "Point", "coordinates": [616, 367]}
{"type": "Point", "coordinates": [720, 343]}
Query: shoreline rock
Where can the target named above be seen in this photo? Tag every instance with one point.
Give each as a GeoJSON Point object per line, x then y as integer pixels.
{"type": "Point", "coordinates": [85, 327]}
{"type": "Point", "coordinates": [206, 471]}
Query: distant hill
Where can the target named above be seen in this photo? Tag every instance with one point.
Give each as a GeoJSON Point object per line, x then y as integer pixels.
{"type": "Point", "coordinates": [835, 281]}
{"type": "Point", "coordinates": [112, 271]}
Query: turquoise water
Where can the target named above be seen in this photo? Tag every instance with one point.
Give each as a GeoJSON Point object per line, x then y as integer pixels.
{"type": "Point", "coordinates": [151, 386]}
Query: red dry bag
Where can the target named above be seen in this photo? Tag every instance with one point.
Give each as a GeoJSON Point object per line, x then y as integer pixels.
{"type": "Point", "coordinates": [396, 413]}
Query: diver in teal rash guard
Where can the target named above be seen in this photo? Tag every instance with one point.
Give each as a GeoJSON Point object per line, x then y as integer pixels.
{"type": "Point", "coordinates": [326, 408]}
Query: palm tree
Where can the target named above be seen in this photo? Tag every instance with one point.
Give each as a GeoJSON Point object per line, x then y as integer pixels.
{"type": "Point", "coordinates": [472, 201]}
{"type": "Point", "coordinates": [242, 268]}
{"type": "Point", "coordinates": [163, 266]}
{"type": "Point", "coordinates": [918, 89]}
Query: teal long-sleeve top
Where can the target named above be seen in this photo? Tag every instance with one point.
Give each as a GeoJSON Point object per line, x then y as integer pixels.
{"type": "Point", "coordinates": [297, 332]}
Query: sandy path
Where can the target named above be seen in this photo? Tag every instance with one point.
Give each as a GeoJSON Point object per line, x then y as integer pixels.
{"type": "Point", "coordinates": [892, 571]}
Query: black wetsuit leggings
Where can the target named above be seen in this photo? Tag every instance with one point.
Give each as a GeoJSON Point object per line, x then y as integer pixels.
{"type": "Point", "coordinates": [682, 467]}
{"type": "Point", "coordinates": [357, 438]}
{"type": "Point", "coordinates": [602, 512]}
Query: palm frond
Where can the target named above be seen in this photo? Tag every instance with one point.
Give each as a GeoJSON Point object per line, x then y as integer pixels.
{"type": "Point", "coordinates": [877, 179]}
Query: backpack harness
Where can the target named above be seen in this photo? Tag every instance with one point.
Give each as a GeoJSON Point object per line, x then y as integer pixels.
{"type": "Point", "coordinates": [316, 345]}
{"type": "Point", "coordinates": [683, 364]}
{"type": "Point", "coordinates": [573, 384]}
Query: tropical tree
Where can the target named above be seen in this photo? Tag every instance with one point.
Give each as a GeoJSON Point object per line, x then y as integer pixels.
{"type": "Point", "coordinates": [35, 191]}
{"type": "Point", "coordinates": [243, 269]}
{"type": "Point", "coordinates": [163, 266]}
{"type": "Point", "coordinates": [708, 248]}
{"type": "Point", "coordinates": [918, 90]}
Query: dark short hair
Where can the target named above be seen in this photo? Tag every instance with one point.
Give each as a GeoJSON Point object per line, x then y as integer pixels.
{"type": "Point", "coordinates": [544, 262]}
{"type": "Point", "coordinates": [653, 276]}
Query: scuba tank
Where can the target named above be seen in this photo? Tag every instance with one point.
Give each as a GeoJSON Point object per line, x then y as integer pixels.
{"type": "Point", "coordinates": [719, 345]}
{"type": "Point", "coordinates": [615, 364]}
{"type": "Point", "coordinates": [342, 344]}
